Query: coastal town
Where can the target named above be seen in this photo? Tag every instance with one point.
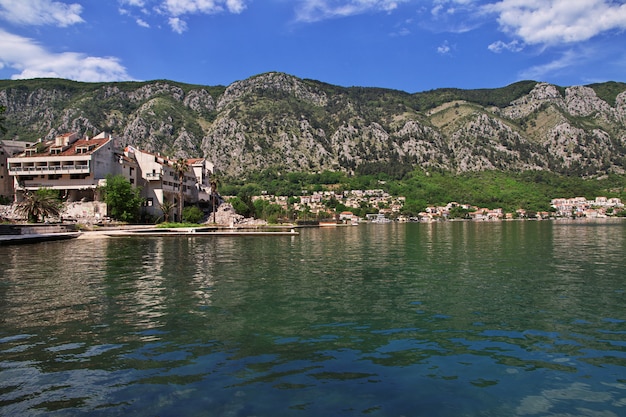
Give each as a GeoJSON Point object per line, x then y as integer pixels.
{"type": "Point", "coordinates": [77, 166]}
{"type": "Point", "coordinates": [390, 207]}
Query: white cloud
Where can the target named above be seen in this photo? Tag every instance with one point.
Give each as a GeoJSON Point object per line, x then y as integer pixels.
{"type": "Point", "coordinates": [499, 46]}
{"type": "Point", "coordinates": [235, 6]}
{"type": "Point", "coordinates": [136, 3]}
{"type": "Point", "coordinates": [40, 12]}
{"type": "Point", "coordinates": [177, 24]}
{"type": "Point", "coordinates": [450, 7]}
{"type": "Point", "coordinates": [444, 49]}
{"type": "Point", "coordinates": [552, 22]}
{"type": "Point", "coordinates": [30, 60]}
{"type": "Point", "coordinates": [177, 8]}
{"type": "Point", "coordinates": [457, 16]}
{"type": "Point", "coordinates": [316, 10]}
{"type": "Point", "coordinates": [540, 72]}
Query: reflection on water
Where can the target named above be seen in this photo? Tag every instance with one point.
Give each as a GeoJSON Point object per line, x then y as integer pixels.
{"type": "Point", "coordinates": [442, 319]}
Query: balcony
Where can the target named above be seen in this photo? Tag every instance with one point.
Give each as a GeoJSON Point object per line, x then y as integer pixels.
{"type": "Point", "coordinates": [49, 169]}
{"type": "Point", "coordinates": [60, 184]}
{"type": "Point", "coordinates": [153, 176]}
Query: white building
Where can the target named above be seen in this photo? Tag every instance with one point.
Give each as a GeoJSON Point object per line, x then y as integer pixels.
{"type": "Point", "coordinates": [8, 148]}
{"type": "Point", "coordinates": [75, 166]}
{"type": "Point", "coordinates": [160, 182]}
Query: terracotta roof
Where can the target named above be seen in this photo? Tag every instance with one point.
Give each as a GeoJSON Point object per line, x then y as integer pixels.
{"type": "Point", "coordinates": [91, 144]}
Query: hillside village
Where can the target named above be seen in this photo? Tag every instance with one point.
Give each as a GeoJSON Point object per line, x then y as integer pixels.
{"type": "Point", "coordinates": [391, 207]}
{"type": "Point", "coordinates": [77, 166]}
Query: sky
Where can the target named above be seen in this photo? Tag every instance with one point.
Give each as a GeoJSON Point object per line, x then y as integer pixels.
{"type": "Point", "coordinates": [408, 45]}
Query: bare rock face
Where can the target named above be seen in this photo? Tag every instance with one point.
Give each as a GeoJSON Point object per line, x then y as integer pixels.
{"type": "Point", "coordinates": [275, 83]}
{"type": "Point", "coordinates": [278, 121]}
{"type": "Point", "coordinates": [226, 216]}
{"type": "Point", "coordinates": [620, 107]}
{"type": "Point", "coordinates": [199, 101]}
{"type": "Point", "coordinates": [487, 143]}
{"type": "Point", "coordinates": [583, 101]}
{"type": "Point", "coordinates": [542, 94]}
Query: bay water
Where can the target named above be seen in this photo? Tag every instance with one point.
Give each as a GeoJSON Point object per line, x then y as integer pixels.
{"type": "Point", "coordinates": [440, 320]}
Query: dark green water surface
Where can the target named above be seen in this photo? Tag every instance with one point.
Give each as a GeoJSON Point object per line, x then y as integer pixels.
{"type": "Point", "coordinates": [437, 320]}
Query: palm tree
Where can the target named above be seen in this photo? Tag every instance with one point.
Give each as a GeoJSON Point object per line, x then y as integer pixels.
{"type": "Point", "coordinates": [166, 208]}
{"type": "Point", "coordinates": [214, 197]}
{"type": "Point", "coordinates": [180, 166]}
{"type": "Point", "coordinates": [40, 204]}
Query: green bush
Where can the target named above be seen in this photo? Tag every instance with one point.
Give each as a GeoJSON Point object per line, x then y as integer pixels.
{"type": "Point", "coordinates": [122, 199]}
{"type": "Point", "coordinates": [192, 214]}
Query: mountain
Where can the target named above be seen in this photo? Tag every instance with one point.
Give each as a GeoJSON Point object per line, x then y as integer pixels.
{"type": "Point", "coordinates": [277, 121]}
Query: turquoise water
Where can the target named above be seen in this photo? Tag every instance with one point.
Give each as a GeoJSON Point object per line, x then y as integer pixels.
{"type": "Point", "coordinates": [449, 319]}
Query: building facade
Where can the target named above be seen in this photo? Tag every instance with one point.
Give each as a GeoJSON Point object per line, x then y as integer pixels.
{"type": "Point", "coordinates": [73, 165]}
{"type": "Point", "coordinates": [8, 148]}
{"type": "Point", "coordinates": [77, 166]}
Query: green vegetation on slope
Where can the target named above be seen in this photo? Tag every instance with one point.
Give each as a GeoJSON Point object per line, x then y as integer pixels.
{"type": "Point", "coordinates": [608, 91]}
{"type": "Point", "coordinates": [499, 97]}
{"type": "Point", "coordinates": [530, 190]}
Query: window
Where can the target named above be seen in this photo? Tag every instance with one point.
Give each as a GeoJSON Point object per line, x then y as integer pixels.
{"type": "Point", "coordinates": [149, 202]}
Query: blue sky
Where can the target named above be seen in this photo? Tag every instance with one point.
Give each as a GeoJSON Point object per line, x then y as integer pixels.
{"type": "Point", "coordinates": [409, 45]}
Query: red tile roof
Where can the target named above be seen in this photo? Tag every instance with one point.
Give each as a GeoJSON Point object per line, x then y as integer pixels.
{"type": "Point", "coordinates": [94, 144]}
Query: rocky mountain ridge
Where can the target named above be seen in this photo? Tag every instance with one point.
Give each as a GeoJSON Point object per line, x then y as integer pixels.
{"type": "Point", "coordinates": [277, 121]}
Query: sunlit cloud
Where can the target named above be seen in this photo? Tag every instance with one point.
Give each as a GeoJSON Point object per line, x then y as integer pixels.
{"type": "Point", "coordinates": [568, 59]}
{"type": "Point", "coordinates": [456, 16]}
{"type": "Point", "coordinates": [443, 49]}
{"type": "Point", "coordinates": [30, 60]}
{"type": "Point", "coordinates": [40, 12]}
{"type": "Point", "coordinates": [177, 24]}
{"type": "Point", "coordinates": [451, 7]}
{"type": "Point", "coordinates": [135, 3]}
{"type": "Point", "coordinates": [553, 22]}
{"type": "Point", "coordinates": [175, 11]}
{"type": "Point", "coordinates": [499, 46]}
{"type": "Point", "coordinates": [316, 10]}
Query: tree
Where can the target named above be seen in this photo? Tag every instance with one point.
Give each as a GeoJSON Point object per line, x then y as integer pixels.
{"type": "Point", "coordinates": [167, 208]}
{"type": "Point", "coordinates": [240, 206]}
{"type": "Point", "coordinates": [215, 197]}
{"type": "Point", "coordinates": [192, 214]}
{"type": "Point", "coordinates": [41, 204]}
{"type": "Point", "coordinates": [180, 166]}
{"type": "Point", "coordinates": [122, 199]}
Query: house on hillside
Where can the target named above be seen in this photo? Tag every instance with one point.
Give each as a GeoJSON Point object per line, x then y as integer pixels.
{"type": "Point", "coordinates": [74, 165]}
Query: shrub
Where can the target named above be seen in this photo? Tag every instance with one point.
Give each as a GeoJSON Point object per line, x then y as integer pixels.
{"type": "Point", "coordinates": [122, 199]}
{"type": "Point", "coordinates": [192, 214]}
